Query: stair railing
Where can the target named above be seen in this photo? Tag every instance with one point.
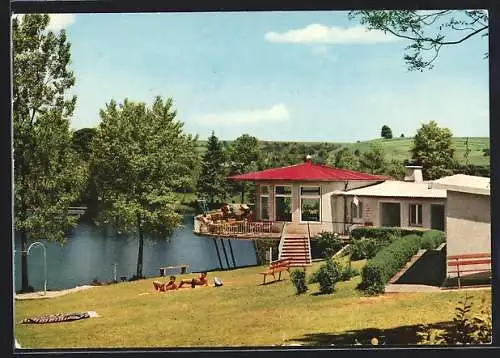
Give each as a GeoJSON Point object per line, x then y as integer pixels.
{"type": "Point", "coordinates": [282, 241]}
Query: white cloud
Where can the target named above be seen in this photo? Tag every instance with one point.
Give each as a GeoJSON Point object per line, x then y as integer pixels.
{"type": "Point", "coordinates": [60, 21]}
{"type": "Point", "coordinates": [57, 21]}
{"type": "Point", "coordinates": [321, 34]}
{"type": "Point", "coordinates": [277, 113]}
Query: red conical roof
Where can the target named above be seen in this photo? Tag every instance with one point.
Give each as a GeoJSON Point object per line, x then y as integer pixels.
{"type": "Point", "coordinates": [307, 172]}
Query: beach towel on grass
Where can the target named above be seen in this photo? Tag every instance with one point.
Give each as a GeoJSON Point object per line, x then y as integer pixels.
{"type": "Point", "coordinates": [54, 318]}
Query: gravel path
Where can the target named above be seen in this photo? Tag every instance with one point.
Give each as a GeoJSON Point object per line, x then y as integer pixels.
{"type": "Point", "coordinates": [50, 294]}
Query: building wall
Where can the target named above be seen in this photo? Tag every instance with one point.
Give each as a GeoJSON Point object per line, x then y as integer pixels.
{"type": "Point", "coordinates": [331, 210]}
{"type": "Point", "coordinates": [468, 228]}
{"type": "Point", "coordinates": [372, 209]}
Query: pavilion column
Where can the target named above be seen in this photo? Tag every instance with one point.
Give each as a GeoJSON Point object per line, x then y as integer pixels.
{"type": "Point", "coordinates": [271, 203]}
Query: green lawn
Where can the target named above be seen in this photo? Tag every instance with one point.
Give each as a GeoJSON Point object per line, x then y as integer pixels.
{"type": "Point", "coordinates": [241, 313]}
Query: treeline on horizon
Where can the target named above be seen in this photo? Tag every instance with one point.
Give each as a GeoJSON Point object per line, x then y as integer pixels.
{"type": "Point", "coordinates": [247, 153]}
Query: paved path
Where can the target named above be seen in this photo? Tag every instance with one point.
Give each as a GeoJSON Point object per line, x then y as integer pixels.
{"type": "Point", "coordinates": [50, 294]}
{"type": "Point", "coordinates": [396, 288]}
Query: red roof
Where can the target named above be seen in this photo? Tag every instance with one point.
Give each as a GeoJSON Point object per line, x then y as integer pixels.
{"type": "Point", "coordinates": [307, 172]}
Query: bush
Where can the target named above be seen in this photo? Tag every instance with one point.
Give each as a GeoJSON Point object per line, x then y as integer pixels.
{"type": "Point", "coordinates": [364, 249]}
{"type": "Point", "coordinates": [477, 329]}
{"type": "Point", "coordinates": [327, 276]}
{"type": "Point", "coordinates": [328, 243]}
{"type": "Point", "coordinates": [432, 239]}
{"type": "Point", "coordinates": [262, 247]}
{"type": "Point", "coordinates": [382, 233]}
{"type": "Point", "coordinates": [387, 262]}
{"type": "Point", "coordinates": [298, 278]}
{"type": "Point", "coordinates": [348, 273]}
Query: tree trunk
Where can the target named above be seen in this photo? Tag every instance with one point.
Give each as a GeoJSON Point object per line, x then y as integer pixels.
{"type": "Point", "coordinates": [243, 194]}
{"type": "Point", "coordinates": [24, 262]}
{"type": "Point", "coordinates": [141, 250]}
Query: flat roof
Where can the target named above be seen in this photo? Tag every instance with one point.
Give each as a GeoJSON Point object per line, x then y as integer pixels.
{"type": "Point", "coordinates": [398, 189]}
{"type": "Point", "coordinates": [464, 183]}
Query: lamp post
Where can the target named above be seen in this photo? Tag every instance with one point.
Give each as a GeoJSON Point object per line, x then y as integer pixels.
{"type": "Point", "coordinates": [37, 243]}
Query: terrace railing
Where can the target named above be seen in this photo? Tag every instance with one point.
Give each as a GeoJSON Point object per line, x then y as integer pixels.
{"type": "Point", "coordinates": [235, 228]}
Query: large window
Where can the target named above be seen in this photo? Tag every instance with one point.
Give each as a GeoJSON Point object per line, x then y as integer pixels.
{"type": "Point", "coordinates": [264, 202]}
{"type": "Point", "coordinates": [415, 214]}
{"type": "Point", "coordinates": [283, 198]}
{"type": "Point", "coordinates": [310, 203]}
{"type": "Point", "coordinates": [357, 210]}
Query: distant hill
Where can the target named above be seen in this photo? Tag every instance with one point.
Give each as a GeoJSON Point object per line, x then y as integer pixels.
{"type": "Point", "coordinates": [398, 148]}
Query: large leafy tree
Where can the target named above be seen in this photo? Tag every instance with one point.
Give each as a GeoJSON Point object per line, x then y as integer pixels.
{"type": "Point", "coordinates": [48, 177]}
{"type": "Point", "coordinates": [140, 158]}
{"type": "Point", "coordinates": [212, 181]}
{"type": "Point", "coordinates": [427, 31]}
{"type": "Point", "coordinates": [245, 156]}
{"type": "Point", "coordinates": [433, 149]}
{"type": "Point", "coordinates": [373, 160]}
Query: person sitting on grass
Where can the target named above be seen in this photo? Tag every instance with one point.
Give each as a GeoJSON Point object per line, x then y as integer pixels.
{"type": "Point", "coordinates": [165, 286]}
{"type": "Point", "coordinates": [201, 281]}
{"type": "Point", "coordinates": [171, 284]}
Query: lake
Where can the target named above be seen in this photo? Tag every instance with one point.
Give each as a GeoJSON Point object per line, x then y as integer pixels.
{"type": "Point", "coordinates": [89, 254]}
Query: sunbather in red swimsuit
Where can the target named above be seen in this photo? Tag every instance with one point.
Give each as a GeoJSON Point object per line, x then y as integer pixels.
{"type": "Point", "coordinates": [201, 281]}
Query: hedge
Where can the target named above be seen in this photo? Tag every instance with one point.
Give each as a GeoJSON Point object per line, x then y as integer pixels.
{"type": "Point", "coordinates": [390, 259]}
{"type": "Point", "coordinates": [382, 233]}
{"type": "Point", "coordinates": [328, 243]}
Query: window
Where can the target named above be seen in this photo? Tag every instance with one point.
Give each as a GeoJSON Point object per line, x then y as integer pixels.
{"type": "Point", "coordinates": [310, 203]}
{"type": "Point", "coordinates": [357, 210]}
{"type": "Point", "coordinates": [283, 203]}
{"type": "Point", "coordinates": [415, 214]}
{"type": "Point", "coordinates": [264, 202]}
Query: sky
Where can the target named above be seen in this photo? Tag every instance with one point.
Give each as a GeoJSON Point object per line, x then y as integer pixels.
{"type": "Point", "coordinates": [293, 76]}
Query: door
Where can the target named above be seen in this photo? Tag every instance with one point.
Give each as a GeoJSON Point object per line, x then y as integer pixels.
{"type": "Point", "coordinates": [390, 214]}
{"type": "Point", "coordinates": [437, 217]}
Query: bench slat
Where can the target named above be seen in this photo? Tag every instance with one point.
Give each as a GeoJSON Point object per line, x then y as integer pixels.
{"type": "Point", "coordinates": [469, 262]}
{"type": "Point", "coordinates": [469, 256]}
{"type": "Point", "coordinates": [481, 270]}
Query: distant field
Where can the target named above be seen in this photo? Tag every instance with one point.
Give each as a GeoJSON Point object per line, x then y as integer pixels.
{"type": "Point", "coordinates": [398, 148]}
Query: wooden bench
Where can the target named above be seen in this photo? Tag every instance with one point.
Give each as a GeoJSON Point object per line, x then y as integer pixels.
{"type": "Point", "coordinates": [458, 261]}
{"type": "Point", "coordinates": [277, 266]}
{"type": "Point", "coordinates": [183, 268]}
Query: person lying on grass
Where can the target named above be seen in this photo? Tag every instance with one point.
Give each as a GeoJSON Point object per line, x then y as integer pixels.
{"type": "Point", "coordinates": [167, 286]}
{"type": "Point", "coordinates": [201, 281]}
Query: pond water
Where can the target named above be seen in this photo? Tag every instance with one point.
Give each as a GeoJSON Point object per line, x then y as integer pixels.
{"type": "Point", "coordinates": [89, 254]}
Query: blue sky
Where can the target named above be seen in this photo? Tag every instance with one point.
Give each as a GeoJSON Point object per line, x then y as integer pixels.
{"type": "Point", "coordinates": [310, 76]}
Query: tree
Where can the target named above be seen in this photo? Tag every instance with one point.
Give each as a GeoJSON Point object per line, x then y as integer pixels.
{"type": "Point", "coordinates": [402, 135]}
{"type": "Point", "coordinates": [140, 158]}
{"type": "Point", "coordinates": [344, 159]}
{"type": "Point", "coordinates": [467, 151]}
{"type": "Point", "coordinates": [386, 132]}
{"type": "Point", "coordinates": [427, 31]}
{"type": "Point", "coordinates": [245, 156]}
{"type": "Point", "coordinates": [373, 160]}
{"type": "Point", "coordinates": [47, 174]}
{"type": "Point", "coordinates": [213, 182]}
{"type": "Point", "coordinates": [433, 149]}
{"type": "Point", "coordinates": [395, 169]}
{"type": "Point", "coordinates": [82, 140]}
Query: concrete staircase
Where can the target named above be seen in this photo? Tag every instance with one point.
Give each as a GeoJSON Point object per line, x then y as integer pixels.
{"type": "Point", "coordinates": [295, 245]}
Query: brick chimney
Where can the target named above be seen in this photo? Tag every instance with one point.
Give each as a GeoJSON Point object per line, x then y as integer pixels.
{"type": "Point", "coordinates": [414, 174]}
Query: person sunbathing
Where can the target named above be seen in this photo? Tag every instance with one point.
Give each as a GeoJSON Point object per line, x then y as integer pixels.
{"type": "Point", "coordinates": [165, 286]}
{"type": "Point", "coordinates": [171, 284]}
{"type": "Point", "coordinates": [201, 281]}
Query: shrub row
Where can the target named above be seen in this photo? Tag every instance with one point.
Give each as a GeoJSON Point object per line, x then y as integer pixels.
{"type": "Point", "coordinates": [382, 233]}
{"type": "Point", "coordinates": [365, 248]}
{"type": "Point", "coordinates": [390, 259]}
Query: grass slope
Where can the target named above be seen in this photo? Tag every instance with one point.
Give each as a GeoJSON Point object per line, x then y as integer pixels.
{"type": "Point", "coordinates": [241, 313]}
